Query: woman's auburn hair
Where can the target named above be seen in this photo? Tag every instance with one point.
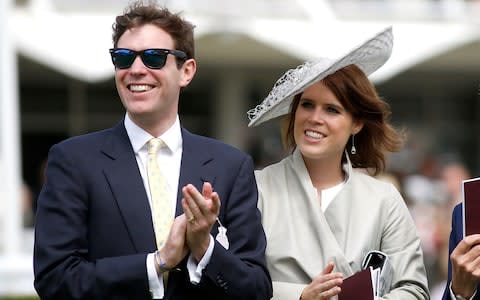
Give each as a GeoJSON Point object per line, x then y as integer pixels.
{"type": "Point", "coordinates": [358, 96]}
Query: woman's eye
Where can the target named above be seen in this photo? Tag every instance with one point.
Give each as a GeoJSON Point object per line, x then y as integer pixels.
{"type": "Point", "coordinates": [332, 109]}
{"type": "Point", "coordinates": [306, 104]}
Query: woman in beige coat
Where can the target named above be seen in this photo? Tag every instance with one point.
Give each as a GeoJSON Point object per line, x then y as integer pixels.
{"type": "Point", "coordinates": [321, 209]}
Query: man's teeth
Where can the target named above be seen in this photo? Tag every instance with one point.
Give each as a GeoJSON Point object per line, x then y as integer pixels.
{"type": "Point", "coordinates": [140, 87]}
{"type": "Point", "coordinates": [313, 134]}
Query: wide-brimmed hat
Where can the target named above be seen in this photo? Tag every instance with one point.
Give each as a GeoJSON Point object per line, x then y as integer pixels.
{"type": "Point", "coordinates": [368, 56]}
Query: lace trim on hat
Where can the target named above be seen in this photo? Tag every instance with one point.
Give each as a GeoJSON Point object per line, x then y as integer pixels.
{"type": "Point", "coordinates": [284, 85]}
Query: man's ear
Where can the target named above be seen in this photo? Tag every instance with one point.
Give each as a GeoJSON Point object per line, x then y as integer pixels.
{"type": "Point", "coordinates": [188, 71]}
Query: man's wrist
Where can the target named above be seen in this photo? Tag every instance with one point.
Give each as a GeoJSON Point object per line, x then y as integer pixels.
{"type": "Point", "coordinates": [199, 252]}
{"type": "Point", "coordinates": [460, 296]}
{"type": "Point", "coordinates": [160, 264]}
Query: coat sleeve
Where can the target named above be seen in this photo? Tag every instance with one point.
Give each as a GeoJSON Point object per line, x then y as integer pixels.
{"type": "Point", "coordinates": [62, 266]}
{"type": "Point", "coordinates": [452, 243]}
{"type": "Point", "coordinates": [402, 244]}
{"type": "Point", "coordinates": [281, 290]}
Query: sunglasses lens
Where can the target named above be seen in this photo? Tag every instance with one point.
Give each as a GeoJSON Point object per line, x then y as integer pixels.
{"type": "Point", "coordinates": [123, 58]}
{"type": "Point", "coordinates": [154, 59]}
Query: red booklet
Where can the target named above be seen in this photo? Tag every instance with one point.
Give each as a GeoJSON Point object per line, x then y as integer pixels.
{"type": "Point", "coordinates": [471, 206]}
{"type": "Point", "coordinates": [357, 287]}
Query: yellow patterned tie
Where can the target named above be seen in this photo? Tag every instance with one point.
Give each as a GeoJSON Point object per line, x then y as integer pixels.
{"type": "Point", "coordinates": [162, 210]}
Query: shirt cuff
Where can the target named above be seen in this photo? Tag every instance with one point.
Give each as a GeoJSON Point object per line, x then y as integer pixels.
{"type": "Point", "coordinates": [452, 295]}
{"type": "Point", "coordinates": [195, 270]}
{"type": "Point", "coordinates": [155, 285]}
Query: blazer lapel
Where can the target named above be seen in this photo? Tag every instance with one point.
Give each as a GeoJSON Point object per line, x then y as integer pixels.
{"type": "Point", "coordinates": [195, 158]}
{"type": "Point", "coordinates": [128, 189]}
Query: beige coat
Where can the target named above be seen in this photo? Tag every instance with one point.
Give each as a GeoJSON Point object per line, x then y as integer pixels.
{"type": "Point", "coordinates": [367, 214]}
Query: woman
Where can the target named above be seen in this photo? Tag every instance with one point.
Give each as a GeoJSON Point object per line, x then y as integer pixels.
{"type": "Point", "coordinates": [321, 209]}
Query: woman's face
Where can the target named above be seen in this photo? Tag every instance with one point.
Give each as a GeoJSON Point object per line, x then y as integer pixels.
{"type": "Point", "coordinates": [322, 126]}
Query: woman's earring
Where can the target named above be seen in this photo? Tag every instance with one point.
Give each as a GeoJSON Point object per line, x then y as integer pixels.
{"type": "Point", "coordinates": [353, 150]}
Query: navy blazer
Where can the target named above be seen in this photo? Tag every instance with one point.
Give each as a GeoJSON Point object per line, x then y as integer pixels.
{"type": "Point", "coordinates": [456, 235]}
{"type": "Point", "coordinates": [94, 229]}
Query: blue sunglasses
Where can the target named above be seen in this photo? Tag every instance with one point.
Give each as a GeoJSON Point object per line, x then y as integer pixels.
{"type": "Point", "coordinates": [123, 58]}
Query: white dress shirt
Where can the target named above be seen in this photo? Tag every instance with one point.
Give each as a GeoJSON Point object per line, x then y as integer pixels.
{"type": "Point", "coordinates": [328, 194]}
{"type": "Point", "coordinates": [169, 158]}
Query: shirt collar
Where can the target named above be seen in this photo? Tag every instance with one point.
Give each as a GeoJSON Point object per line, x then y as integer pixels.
{"type": "Point", "coordinates": [139, 137]}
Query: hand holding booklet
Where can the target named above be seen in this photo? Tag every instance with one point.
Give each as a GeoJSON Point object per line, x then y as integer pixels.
{"type": "Point", "coordinates": [471, 206]}
{"type": "Point", "coordinates": [373, 281]}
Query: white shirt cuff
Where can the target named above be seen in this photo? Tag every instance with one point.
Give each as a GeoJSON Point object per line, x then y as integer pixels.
{"type": "Point", "coordinates": [452, 295]}
{"type": "Point", "coordinates": [195, 270]}
{"type": "Point", "coordinates": [155, 283]}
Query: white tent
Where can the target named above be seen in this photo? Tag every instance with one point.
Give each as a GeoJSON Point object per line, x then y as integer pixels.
{"type": "Point", "coordinates": [77, 44]}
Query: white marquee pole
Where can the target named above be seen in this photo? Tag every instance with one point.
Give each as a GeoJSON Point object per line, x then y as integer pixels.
{"type": "Point", "coordinates": [10, 182]}
{"type": "Point", "coordinates": [16, 276]}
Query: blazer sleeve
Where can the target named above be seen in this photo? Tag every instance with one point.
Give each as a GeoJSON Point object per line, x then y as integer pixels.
{"type": "Point", "coordinates": [240, 272]}
{"type": "Point", "coordinates": [62, 266]}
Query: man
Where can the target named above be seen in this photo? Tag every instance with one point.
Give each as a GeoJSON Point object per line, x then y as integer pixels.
{"type": "Point", "coordinates": [464, 263]}
{"type": "Point", "coordinates": [100, 231]}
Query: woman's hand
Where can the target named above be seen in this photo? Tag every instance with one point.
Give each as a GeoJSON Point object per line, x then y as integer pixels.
{"type": "Point", "coordinates": [324, 286]}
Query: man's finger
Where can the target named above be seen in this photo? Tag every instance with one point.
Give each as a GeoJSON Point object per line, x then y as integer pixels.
{"type": "Point", "coordinates": [200, 202]}
{"type": "Point", "coordinates": [466, 245]}
{"type": "Point", "coordinates": [207, 190]}
{"type": "Point", "coordinates": [187, 213]}
{"type": "Point", "coordinates": [191, 202]}
{"type": "Point", "coordinates": [215, 205]}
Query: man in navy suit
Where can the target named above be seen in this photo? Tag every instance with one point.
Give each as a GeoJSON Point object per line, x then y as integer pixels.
{"type": "Point", "coordinates": [94, 235]}
{"type": "Point", "coordinates": [464, 263]}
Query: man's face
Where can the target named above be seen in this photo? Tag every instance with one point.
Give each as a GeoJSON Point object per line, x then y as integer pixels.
{"type": "Point", "coordinates": [150, 96]}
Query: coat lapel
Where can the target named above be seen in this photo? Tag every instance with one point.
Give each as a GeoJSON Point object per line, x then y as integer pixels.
{"type": "Point", "coordinates": [193, 169]}
{"type": "Point", "coordinates": [128, 189]}
{"type": "Point", "coordinates": [326, 237]}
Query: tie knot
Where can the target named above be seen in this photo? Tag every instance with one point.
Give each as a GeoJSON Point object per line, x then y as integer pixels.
{"type": "Point", "coordinates": [154, 144]}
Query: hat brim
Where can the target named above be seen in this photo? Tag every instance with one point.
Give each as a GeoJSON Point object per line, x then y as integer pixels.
{"type": "Point", "coordinates": [368, 56]}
